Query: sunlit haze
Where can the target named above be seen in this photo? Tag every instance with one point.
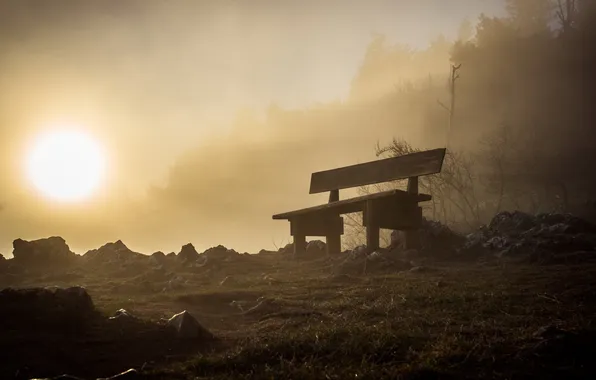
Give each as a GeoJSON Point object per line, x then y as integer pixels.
{"type": "Point", "coordinates": [65, 165]}
{"type": "Point", "coordinates": [212, 114]}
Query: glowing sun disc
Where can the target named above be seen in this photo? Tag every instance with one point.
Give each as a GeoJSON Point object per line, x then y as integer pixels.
{"type": "Point", "coordinates": [66, 165]}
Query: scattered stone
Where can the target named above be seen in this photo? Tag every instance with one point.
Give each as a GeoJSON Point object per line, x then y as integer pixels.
{"type": "Point", "coordinates": [187, 327]}
{"type": "Point", "coordinates": [158, 258]}
{"type": "Point", "coordinates": [361, 250]}
{"type": "Point", "coordinates": [316, 248]}
{"type": "Point", "coordinates": [116, 254]}
{"type": "Point", "coordinates": [542, 238]}
{"type": "Point", "coordinates": [221, 253]}
{"type": "Point", "coordinates": [436, 239]}
{"type": "Point", "coordinates": [287, 249]}
{"type": "Point", "coordinates": [122, 314]}
{"type": "Point", "coordinates": [240, 305]}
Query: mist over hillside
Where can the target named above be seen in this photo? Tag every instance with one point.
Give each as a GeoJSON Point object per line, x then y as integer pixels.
{"type": "Point", "coordinates": [522, 117]}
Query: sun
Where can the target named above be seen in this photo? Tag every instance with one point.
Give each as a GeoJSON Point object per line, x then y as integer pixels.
{"type": "Point", "coordinates": [66, 165]}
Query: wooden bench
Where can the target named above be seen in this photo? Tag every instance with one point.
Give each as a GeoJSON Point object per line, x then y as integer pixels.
{"type": "Point", "coordinates": [395, 209]}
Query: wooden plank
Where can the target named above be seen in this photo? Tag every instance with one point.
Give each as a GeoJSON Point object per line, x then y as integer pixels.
{"type": "Point", "coordinates": [389, 169]}
{"type": "Point", "coordinates": [356, 204]}
{"type": "Point", "coordinates": [396, 218]}
{"type": "Point", "coordinates": [314, 226]}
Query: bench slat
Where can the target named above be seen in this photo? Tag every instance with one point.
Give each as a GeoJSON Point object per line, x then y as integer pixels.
{"type": "Point", "coordinates": [354, 204]}
{"type": "Point", "coordinates": [369, 173]}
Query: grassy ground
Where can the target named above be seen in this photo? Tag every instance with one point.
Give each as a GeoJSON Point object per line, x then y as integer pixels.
{"type": "Point", "coordinates": [296, 321]}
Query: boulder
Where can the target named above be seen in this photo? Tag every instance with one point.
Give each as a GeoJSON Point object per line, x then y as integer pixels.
{"type": "Point", "coordinates": [435, 239]}
{"type": "Point", "coordinates": [188, 254]}
{"type": "Point", "coordinates": [187, 327]}
{"type": "Point", "coordinates": [538, 238]}
{"type": "Point", "coordinates": [45, 253]}
{"type": "Point", "coordinates": [115, 253]}
{"type": "Point", "coordinates": [56, 308]}
{"type": "Point", "coordinates": [316, 248]}
{"type": "Point", "coordinates": [122, 315]}
{"type": "Point", "coordinates": [511, 223]}
{"type": "Point", "coordinates": [287, 249]}
{"type": "Point", "coordinates": [158, 259]}
{"type": "Point", "coordinates": [220, 253]}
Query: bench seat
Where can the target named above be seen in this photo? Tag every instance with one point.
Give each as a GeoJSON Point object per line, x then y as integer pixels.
{"type": "Point", "coordinates": [356, 204]}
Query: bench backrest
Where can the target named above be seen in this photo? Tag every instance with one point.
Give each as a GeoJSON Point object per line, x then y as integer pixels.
{"type": "Point", "coordinates": [369, 173]}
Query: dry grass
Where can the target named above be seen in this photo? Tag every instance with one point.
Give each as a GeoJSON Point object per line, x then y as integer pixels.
{"type": "Point", "coordinates": [295, 320]}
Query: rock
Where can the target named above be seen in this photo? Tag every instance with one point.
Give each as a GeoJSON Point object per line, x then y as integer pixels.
{"type": "Point", "coordinates": [359, 251]}
{"type": "Point", "coordinates": [511, 223]}
{"type": "Point", "coordinates": [3, 264]}
{"type": "Point", "coordinates": [187, 327]}
{"type": "Point", "coordinates": [316, 248]}
{"type": "Point", "coordinates": [46, 253]}
{"type": "Point", "coordinates": [220, 253]}
{"type": "Point", "coordinates": [287, 249]}
{"type": "Point", "coordinates": [55, 308]}
{"type": "Point", "coordinates": [158, 258]}
{"type": "Point", "coordinates": [537, 238]}
{"type": "Point", "coordinates": [188, 254]}
{"type": "Point", "coordinates": [122, 314]}
{"type": "Point", "coordinates": [115, 254]}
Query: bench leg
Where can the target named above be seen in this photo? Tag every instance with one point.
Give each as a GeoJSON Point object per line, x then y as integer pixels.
{"type": "Point", "coordinates": [372, 238]}
{"type": "Point", "coordinates": [299, 245]}
{"type": "Point", "coordinates": [412, 239]}
{"type": "Point", "coordinates": [333, 244]}
{"type": "Point", "coordinates": [372, 229]}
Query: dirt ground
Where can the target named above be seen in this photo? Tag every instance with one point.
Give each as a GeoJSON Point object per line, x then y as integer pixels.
{"type": "Point", "coordinates": [274, 317]}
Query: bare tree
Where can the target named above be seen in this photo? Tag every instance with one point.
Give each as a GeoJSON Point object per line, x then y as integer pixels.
{"type": "Point", "coordinates": [566, 13]}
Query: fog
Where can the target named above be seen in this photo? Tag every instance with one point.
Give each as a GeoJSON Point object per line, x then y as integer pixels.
{"type": "Point", "coordinates": [215, 114]}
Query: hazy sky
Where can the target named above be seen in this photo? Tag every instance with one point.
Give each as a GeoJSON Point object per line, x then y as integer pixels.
{"type": "Point", "coordinates": [155, 79]}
